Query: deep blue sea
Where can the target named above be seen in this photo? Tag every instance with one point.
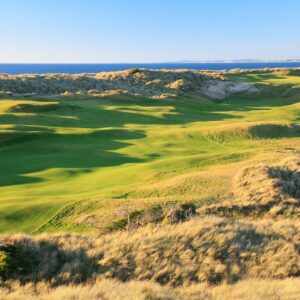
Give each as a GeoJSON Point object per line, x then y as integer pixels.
{"type": "Point", "coordinates": [95, 68]}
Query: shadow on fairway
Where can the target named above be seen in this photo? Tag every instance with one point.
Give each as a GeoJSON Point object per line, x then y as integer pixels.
{"type": "Point", "coordinates": [33, 145]}
{"type": "Point", "coordinates": [34, 152]}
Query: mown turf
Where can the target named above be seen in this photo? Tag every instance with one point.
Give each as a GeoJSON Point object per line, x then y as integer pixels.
{"type": "Point", "coordinates": [103, 153]}
{"type": "Point", "coordinates": [279, 77]}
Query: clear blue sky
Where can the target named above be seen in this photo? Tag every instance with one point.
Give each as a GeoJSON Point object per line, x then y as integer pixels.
{"type": "Point", "coordinates": [148, 30]}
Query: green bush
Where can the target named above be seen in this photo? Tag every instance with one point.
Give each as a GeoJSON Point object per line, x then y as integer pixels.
{"type": "Point", "coordinates": [6, 264]}
{"type": "Point", "coordinates": [133, 70]}
{"type": "Point", "coordinates": [16, 261]}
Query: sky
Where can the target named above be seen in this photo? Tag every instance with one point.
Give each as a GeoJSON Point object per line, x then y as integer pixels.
{"type": "Point", "coordinates": [115, 31]}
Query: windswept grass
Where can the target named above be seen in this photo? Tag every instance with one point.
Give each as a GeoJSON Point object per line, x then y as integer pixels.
{"type": "Point", "coordinates": [271, 191]}
{"type": "Point", "coordinates": [207, 251]}
{"type": "Point", "coordinates": [287, 289]}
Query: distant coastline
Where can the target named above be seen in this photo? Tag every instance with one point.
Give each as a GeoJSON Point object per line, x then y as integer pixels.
{"type": "Point", "coordinates": [14, 69]}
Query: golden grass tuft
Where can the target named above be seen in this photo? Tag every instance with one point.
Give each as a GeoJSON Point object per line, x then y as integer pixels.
{"type": "Point", "coordinates": [288, 289]}
{"type": "Point", "coordinates": [270, 190]}
{"type": "Point", "coordinates": [206, 250]}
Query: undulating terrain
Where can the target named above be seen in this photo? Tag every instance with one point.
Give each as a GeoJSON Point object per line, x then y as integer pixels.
{"type": "Point", "coordinates": [150, 185]}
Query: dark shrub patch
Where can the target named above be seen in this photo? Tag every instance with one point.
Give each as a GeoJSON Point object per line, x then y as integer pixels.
{"type": "Point", "coordinates": [14, 261]}
{"type": "Point", "coordinates": [133, 70]}
{"type": "Point", "coordinates": [181, 214]}
{"type": "Point", "coordinates": [6, 264]}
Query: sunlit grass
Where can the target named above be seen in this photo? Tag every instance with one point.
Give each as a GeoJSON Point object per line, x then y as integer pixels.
{"type": "Point", "coordinates": [83, 149]}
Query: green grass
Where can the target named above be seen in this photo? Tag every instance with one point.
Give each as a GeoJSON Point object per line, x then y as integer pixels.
{"type": "Point", "coordinates": [103, 153]}
{"type": "Point", "coordinates": [266, 78]}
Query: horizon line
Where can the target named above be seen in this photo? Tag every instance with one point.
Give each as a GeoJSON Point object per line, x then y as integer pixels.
{"type": "Point", "coordinates": [237, 61]}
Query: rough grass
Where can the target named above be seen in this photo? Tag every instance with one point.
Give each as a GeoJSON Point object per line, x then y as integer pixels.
{"type": "Point", "coordinates": [199, 259]}
{"type": "Point", "coordinates": [233, 133]}
{"type": "Point", "coordinates": [135, 82]}
{"type": "Point", "coordinates": [264, 190]}
{"type": "Point", "coordinates": [206, 250]}
{"type": "Point", "coordinates": [287, 289]}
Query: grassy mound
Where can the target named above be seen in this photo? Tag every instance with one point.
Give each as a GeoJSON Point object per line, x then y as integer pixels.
{"type": "Point", "coordinates": [275, 130]}
{"type": "Point", "coordinates": [287, 72]}
{"type": "Point", "coordinates": [235, 133]}
{"type": "Point", "coordinates": [274, 83]}
{"type": "Point", "coordinates": [270, 190]}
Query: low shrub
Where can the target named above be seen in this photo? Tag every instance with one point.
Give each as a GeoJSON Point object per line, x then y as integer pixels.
{"type": "Point", "coordinates": [6, 264]}
{"type": "Point", "coordinates": [133, 70]}
{"type": "Point", "coordinates": [15, 262]}
{"type": "Point", "coordinates": [180, 214]}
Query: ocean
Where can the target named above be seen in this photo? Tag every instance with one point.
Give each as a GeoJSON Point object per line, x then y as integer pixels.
{"type": "Point", "coordinates": [14, 69]}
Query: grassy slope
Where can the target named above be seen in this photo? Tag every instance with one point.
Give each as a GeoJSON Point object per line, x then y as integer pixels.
{"type": "Point", "coordinates": [266, 78]}
{"type": "Point", "coordinates": [136, 151]}
{"type": "Point", "coordinates": [174, 254]}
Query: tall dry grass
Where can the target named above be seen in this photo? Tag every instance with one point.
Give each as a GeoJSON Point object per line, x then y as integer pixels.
{"type": "Point", "coordinates": [264, 190]}
{"type": "Point", "coordinates": [287, 289]}
{"type": "Point", "coordinates": [212, 250]}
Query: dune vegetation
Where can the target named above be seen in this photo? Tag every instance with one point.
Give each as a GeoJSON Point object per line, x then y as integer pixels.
{"type": "Point", "coordinates": [150, 185]}
{"type": "Point", "coordinates": [200, 253]}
